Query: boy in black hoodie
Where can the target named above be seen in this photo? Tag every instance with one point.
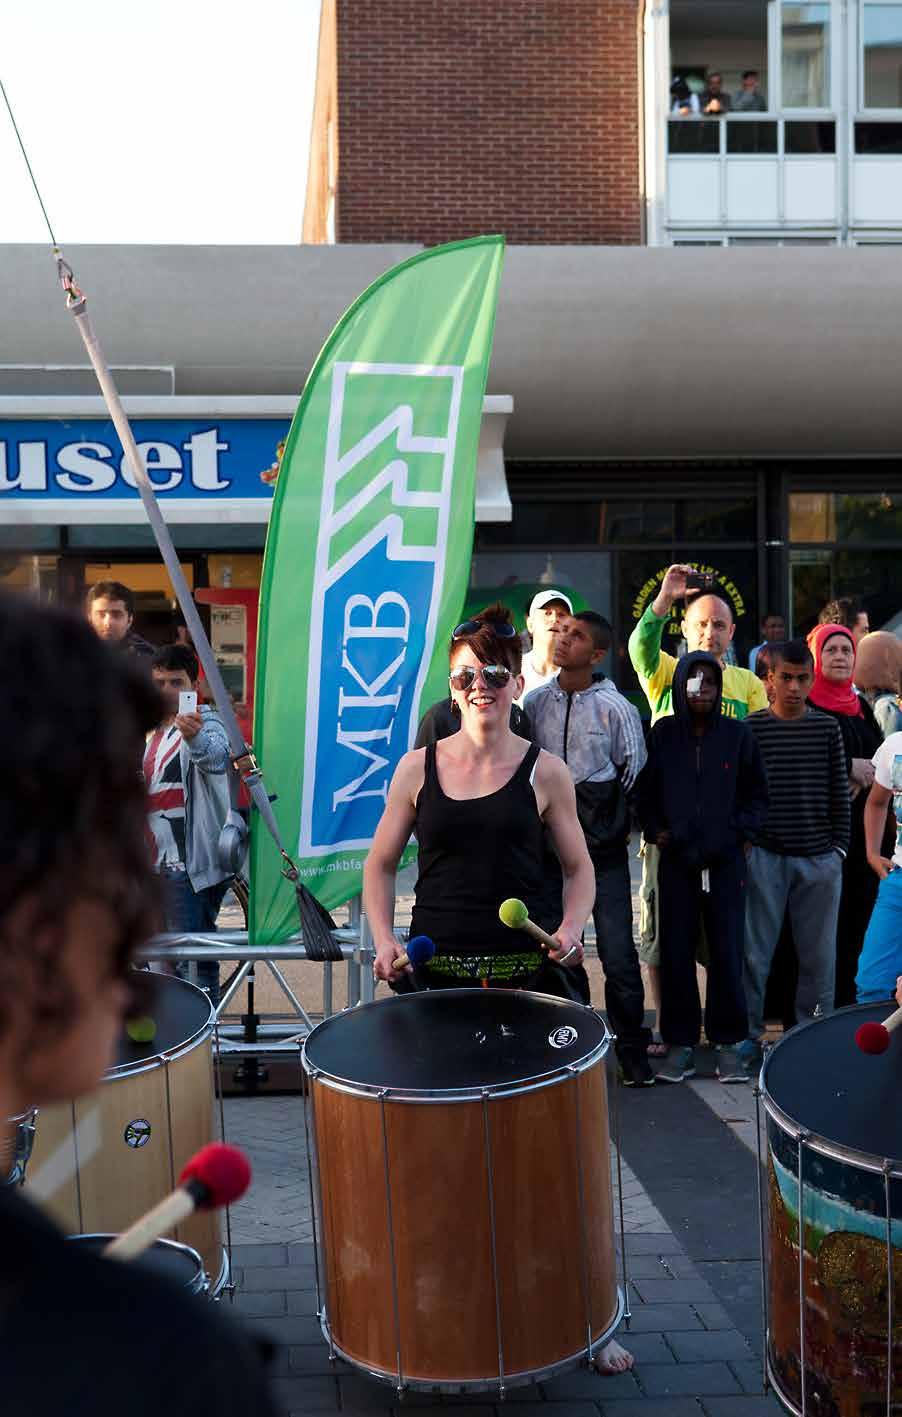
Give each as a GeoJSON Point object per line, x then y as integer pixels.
{"type": "Point", "coordinates": [701, 797]}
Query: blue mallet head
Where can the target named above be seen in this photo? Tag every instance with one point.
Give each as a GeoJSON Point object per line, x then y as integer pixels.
{"type": "Point", "coordinates": [420, 949]}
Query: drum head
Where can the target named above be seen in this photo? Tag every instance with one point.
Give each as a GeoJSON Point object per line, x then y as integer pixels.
{"type": "Point", "coordinates": [178, 1264]}
{"type": "Point", "coordinates": [180, 1011]}
{"type": "Point", "coordinates": [823, 1082]}
{"type": "Point", "coordinates": [451, 1040]}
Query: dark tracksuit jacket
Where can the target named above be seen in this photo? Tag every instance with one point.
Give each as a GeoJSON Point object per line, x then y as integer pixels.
{"type": "Point", "coordinates": [710, 793]}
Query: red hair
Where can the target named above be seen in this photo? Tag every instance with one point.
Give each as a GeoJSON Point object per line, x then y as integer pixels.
{"type": "Point", "coordinates": [487, 645]}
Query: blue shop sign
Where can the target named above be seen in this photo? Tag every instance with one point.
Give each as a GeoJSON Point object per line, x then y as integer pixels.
{"type": "Point", "coordinates": [81, 460]}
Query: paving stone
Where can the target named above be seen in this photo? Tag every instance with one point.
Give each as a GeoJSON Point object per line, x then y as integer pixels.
{"type": "Point", "coordinates": [570, 1409]}
{"type": "Point", "coordinates": [306, 1394]}
{"type": "Point", "coordinates": [302, 1301]}
{"type": "Point", "coordinates": [740, 1406]}
{"type": "Point", "coordinates": [737, 1279]}
{"type": "Point", "coordinates": [653, 1407]}
{"type": "Point", "coordinates": [673, 1291]}
{"type": "Point", "coordinates": [707, 1347]}
{"type": "Point", "coordinates": [750, 1375]}
{"type": "Point", "coordinates": [590, 1384]}
{"type": "Point", "coordinates": [259, 1255]}
{"type": "Point", "coordinates": [247, 1303]}
{"type": "Point", "coordinates": [713, 1315]}
{"type": "Point", "coordinates": [648, 1348]}
{"type": "Point", "coordinates": [290, 1276]}
{"type": "Point", "coordinates": [366, 1393]}
{"type": "Point", "coordinates": [688, 1379]}
{"type": "Point", "coordinates": [655, 1318]}
{"type": "Point", "coordinates": [662, 1242]}
{"type": "Point", "coordinates": [314, 1359]}
{"type": "Point", "coordinates": [746, 1315]}
{"type": "Point", "coordinates": [284, 1328]}
{"type": "Point", "coordinates": [653, 1266]}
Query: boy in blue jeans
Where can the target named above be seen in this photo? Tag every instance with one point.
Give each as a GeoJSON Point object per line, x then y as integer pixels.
{"type": "Point", "coordinates": [881, 954]}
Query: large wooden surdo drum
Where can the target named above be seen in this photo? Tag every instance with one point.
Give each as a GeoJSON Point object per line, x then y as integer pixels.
{"type": "Point", "coordinates": [834, 1218]}
{"type": "Point", "coordinates": [463, 1187]}
{"type": "Point", "coordinates": [100, 1162]}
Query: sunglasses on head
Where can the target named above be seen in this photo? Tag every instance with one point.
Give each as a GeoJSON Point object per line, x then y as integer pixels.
{"type": "Point", "coordinates": [502, 628]}
{"type": "Point", "coordinates": [494, 676]}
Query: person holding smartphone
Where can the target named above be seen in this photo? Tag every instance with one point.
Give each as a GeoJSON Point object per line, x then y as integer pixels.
{"type": "Point", "coordinates": [186, 763]}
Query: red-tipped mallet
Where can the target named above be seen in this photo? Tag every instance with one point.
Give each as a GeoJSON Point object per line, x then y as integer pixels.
{"type": "Point", "coordinates": [215, 1176]}
{"type": "Point", "coordinates": [875, 1037]}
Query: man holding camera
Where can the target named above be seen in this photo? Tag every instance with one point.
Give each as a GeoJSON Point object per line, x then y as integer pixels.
{"type": "Point", "coordinates": [707, 625]}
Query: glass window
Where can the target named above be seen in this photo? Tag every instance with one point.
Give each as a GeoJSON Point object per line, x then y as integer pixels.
{"type": "Point", "coordinates": [806, 55]}
{"type": "Point", "coordinates": [878, 139]}
{"type": "Point", "coordinates": [881, 38]}
{"type": "Point", "coordinates": [693, 136]}
{"type": "Point", "coordinates": [809, 138]}
{"type": "Point", "coordinates": [186, 536]}
{"type": "Point", "coordinates": [732, 519]}
{"type": "Point", "coordinates": [845, 516]}
{"type": "Point", "coordinates": [751, 137]}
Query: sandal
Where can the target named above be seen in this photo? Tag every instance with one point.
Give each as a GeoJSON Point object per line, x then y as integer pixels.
{"type": "Point", "coordinates": [657, 1048]}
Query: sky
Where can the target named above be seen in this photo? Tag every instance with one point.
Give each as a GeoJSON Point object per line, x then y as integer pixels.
{"type": "Point", "coordinates": [159, 121]}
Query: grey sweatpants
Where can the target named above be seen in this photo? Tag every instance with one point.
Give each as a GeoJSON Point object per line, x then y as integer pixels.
{"type": "Point", "coordinates": [810, 886]}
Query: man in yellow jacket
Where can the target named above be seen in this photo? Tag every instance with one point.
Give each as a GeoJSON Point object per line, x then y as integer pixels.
{"type": "Point", "coordinates": [707, 625]}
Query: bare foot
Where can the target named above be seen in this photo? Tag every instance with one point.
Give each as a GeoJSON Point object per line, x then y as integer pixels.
{"type": "Point", "coordinates": [613, 1358]}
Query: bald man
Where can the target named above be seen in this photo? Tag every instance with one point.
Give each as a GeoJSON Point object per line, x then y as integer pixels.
{"type": "Point", "coordinates": [708, 625]}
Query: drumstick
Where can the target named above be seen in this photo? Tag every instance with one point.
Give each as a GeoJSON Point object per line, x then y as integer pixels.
{"type": "Point", "coordinates": [419, 951]}
{"type": "Point", "coordinates": [215, 1176]}
{"type": "Point", "coordinates": [514, 914]}
{"type": "Point", "coordinates": [875, 1037]}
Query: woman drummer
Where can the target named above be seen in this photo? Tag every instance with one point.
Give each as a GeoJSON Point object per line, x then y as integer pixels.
{"type": "Point", "coordinates": [479, 803]}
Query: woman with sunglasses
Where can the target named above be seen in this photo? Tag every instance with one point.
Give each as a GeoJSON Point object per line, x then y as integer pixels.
{"type": "Point", "coordinates": [479, 803]}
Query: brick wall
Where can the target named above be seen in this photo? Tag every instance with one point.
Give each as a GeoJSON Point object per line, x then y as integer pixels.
{"type": "Point", "coordinates": [457, 117]}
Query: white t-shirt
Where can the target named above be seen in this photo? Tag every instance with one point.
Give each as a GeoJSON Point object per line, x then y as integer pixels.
{"type": "Point", "coordinates": [531, 676]}
{"type": "Point", "coordinates": [888, 773]}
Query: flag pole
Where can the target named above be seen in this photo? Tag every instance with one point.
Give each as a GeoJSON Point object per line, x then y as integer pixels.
{"type": "Point", "coordinates": [315, 922]}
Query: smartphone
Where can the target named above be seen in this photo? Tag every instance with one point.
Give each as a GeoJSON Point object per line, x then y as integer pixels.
{"type": "Point", "coordinates": [699, 580]}
{"type": "Point", "coordinates": [188, 701]}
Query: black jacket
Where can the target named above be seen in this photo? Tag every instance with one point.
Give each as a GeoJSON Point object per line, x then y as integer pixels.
{"type": "Point", "coordinates": [710, 792]}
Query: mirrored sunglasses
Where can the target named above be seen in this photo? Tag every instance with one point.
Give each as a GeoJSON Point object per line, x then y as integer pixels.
{"type": "Point", "coordinates": [494, 676]}
{"type": "Point", "coordinates": [501, 628]}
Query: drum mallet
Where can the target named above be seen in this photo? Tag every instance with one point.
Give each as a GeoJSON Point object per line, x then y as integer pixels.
{"type": "Point", "coordinates": [514, 914]}
{"type": "Point", "coordinates": [215, 1176]}
{"type": "Point", "coordinates": [419, 951]}
{"type": "Point", "coordinates": [875, 1037]}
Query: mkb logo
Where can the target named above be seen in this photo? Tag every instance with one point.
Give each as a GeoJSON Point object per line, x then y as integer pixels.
{"type": "Point", "coordinates": [379, 568]}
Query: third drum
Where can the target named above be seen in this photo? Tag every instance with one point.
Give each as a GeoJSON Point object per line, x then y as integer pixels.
{"type": "Point", "coordinates": [464, 1206]}
{"type": "Point", "coordinates": [834, 1218]}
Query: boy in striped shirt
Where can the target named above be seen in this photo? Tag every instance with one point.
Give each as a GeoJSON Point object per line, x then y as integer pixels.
{"type": "Point", "coordinates": [796, 861]}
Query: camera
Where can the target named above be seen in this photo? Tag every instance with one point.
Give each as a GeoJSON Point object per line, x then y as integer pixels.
{"type": "Point", "coordinates": [699, 580]}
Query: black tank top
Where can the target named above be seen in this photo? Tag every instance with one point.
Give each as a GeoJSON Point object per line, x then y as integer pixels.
{"type": "Point", "coordinates": [474, 854]}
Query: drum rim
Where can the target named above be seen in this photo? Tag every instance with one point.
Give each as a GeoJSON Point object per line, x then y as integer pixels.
{"type": "Point", "coordinates": [815, 1141]}
{"type": "Point", "coordinates": [197, 1285]}
{"type": "Point", "coordinates": [157, 1060]}
{"type": "Point", "coordinates": [486, 1384]}
{"type": "Point", "coordinates": [562, 1073]}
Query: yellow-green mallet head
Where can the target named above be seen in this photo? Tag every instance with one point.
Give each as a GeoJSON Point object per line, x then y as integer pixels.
{"type": "Point", "coordinates": [513, 913]}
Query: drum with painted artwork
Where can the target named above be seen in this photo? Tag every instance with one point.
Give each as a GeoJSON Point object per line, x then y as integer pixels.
{"type": "Point", "coordinates": [834, 1218]}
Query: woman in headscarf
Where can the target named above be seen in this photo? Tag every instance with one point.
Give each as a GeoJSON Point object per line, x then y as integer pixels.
{"type": "Point", "coordinates": [878, 668]}
{"type": "Point", "coordinates": [833, 692]}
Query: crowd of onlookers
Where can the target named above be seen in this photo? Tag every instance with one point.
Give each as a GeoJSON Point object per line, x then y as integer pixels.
{"type": "Point", "coordinates": [714, 101]}
{"type": "Point", "coordinates": [764, 800]}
